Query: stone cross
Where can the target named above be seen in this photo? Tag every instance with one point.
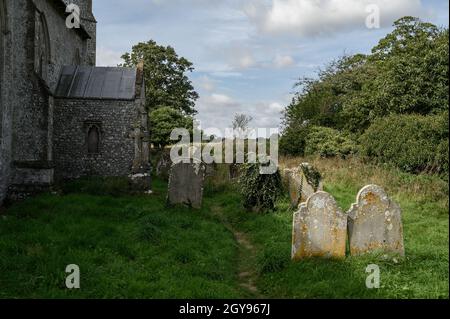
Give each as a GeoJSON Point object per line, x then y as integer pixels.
{"type": "Point", "coordinates": [138, 136]}
{"type": "Point", "coordinates": [375, 223]}
{"type": "Point", "coordinates": [319, 229]}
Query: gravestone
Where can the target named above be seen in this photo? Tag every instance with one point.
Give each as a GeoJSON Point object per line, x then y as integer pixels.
{"type": "Point", "coordinates": [163, 166]}
{"type": "Point", "coordinates": [319, 229]}
{"type": "Point", "coordinates": [186, 184]}
{"type": "Point", "coordinates": [302, 183]}
{"type": "Point", "coordinates": [375, 223]}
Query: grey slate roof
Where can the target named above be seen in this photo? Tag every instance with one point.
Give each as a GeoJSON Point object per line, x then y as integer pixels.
{"type": "Point", "coordinates": [88, 82]}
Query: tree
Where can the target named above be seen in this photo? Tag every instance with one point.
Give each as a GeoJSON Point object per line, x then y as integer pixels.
{"type": "Point", "coordinates": [406, 74]}
{"type": "Point", "coordinates": [241, 123]}
{"type": "Point", "coordinates": [163, 121]}
{"type": "Point", "coordinates": [165, 74]}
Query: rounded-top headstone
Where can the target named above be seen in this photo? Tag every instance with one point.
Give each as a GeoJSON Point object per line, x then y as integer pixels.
{"type": "Point", "coordinates": [319, 228]}
{"type": "Point", "coordinates": [375, 223]}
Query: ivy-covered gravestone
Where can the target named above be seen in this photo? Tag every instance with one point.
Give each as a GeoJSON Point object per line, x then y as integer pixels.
{"type": "Point", "coordinates": [302, 183]}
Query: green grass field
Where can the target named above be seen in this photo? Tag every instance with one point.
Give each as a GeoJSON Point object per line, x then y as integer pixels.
{"type": "Point", "coordinates": [136, 247]}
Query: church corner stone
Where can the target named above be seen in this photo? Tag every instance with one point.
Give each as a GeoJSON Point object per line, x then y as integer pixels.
{"type": "Point", "coordinates": [375, 224]}
{"type": "Point", "coordinates": [319, 229]}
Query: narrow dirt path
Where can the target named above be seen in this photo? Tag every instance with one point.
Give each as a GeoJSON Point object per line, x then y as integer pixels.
{"type": "Point", "coordinates": [246, 259]}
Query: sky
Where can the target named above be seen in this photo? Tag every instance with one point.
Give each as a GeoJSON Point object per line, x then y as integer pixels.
{"type": "Point", "coordinates": [248, 54]}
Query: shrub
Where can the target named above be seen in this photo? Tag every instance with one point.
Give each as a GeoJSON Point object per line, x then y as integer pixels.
{"type": "Point", "coordinates": [328, 142]}
{"type": "Point", "coordinates": [413, 143]}
{"type": "Point", "coordinates": [293, 140]}
{"type": "Point", "coordinates": [260, 191]}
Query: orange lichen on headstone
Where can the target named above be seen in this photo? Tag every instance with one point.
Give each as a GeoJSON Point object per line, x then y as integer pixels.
{"type": "Point", "coordinates": [319, 229]}
{"type": "Point", "coordinates": [375, 223]}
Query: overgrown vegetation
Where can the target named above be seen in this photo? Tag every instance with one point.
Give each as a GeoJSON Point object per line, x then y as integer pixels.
{"type": "Point", "coordinates": [260, 192]}
{"type": "Point", "coordinates": [135, 247]}
{"type": "Point", "coordinates": [406, 75]}
{"type": "Point", "coordinates": [413, 143]}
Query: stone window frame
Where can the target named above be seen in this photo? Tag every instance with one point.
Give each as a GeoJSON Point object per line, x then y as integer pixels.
{"type": "Point", "coordinates": [3, 33]}
{"type": "Point", "coordinates": [88, 125]}
{"type": "Point", "coordinates": [44, 60]}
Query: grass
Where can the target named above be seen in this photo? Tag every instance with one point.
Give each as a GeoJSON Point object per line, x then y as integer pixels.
{"type": "Point", "coordinates": [136, 247]}
{"type": "Point", "coordinates": [126, 247]}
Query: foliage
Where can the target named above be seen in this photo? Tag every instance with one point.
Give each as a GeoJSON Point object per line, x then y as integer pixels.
{"type": "Point", "coordinates": [406, 73]}
{"type": "Point", "coordinates": [312, 175]}
{"type": "Point", "coordinates": [328, 142]}
{"type": "Point", "coordinates": [165, 76]}
{"type": "Point", "coordinates": [163, 121]}
{"type": "Point", "coordinates": [414, 143]}
{"type": "Point", "coordinates": [260, 191]}
{"type": "Point", "coordinates": [293, 140]}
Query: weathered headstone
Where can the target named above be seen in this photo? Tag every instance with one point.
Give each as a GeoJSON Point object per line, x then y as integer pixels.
{"type": "Point", "coordinates": [375, 223]}
{"type": "Point", "coordinates": [319, 229]}
{"type": "Point", "coordinates": [186, 184]}
{"type": "Point", "coordinates": [302, 183]}
{"type": "Point", "coordinates": [163, 166]}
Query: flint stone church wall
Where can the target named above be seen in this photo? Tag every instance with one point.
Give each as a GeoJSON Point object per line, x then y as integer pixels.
{"type": "Point", "coordinates": [115, 120]}
{"type": "Point", "coordinates": [31, 31]}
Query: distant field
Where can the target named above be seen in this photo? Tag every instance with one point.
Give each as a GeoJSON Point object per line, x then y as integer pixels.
{"type": "Point", "coordinates": [136, 247]}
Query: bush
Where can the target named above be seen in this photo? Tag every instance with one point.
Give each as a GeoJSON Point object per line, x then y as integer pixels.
{"type": "Point", "coordinates": [328, 142]}
{"type": "Point", "coordinates": [260, 191]}
{"type": "Point", "coordinates": [413, 143]}
{"type": "Point", "coordinates": [293, 140]}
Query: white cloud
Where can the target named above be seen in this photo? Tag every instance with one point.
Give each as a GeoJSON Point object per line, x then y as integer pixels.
{"type": "Point", "coordinates": [221, 99]}
{"type": "Point", "coordinates": [283, 61]}
{"type": "Point", "coordinates": [317, 17]}
{"type": "Point", "coordinates": [107, 57]}
{"type": "Point", "coordinates": [206, 83]}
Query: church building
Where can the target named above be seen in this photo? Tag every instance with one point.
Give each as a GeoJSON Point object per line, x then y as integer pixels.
{"type": "Point", "coordinates": [61, 117]}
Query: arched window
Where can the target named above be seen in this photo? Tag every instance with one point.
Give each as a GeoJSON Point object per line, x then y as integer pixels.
{"type": "Point", "coordinates": [3, 31]}
{"type": "Point", "coordinates": [41, 46]}
{"type": "Point", "coordinates": [93, 140]}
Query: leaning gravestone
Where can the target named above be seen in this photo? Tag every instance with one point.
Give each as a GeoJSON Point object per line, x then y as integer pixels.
{"type": "Point", "coordinates": [302, 183]}
{"type": "Point", "coordinates": [375, 223]}
{"type": "Point", "coordinates": [186, 184]}
{"type": "Point", "coordinates": [163, 166]}
{"type": "Point", "coordinates": [319, 229]}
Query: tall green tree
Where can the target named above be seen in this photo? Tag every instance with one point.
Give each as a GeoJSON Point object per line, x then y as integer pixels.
{"type": "Point", "coordinates": [167, 82]}
{"type": "Point", "coordinates": [163, 121]}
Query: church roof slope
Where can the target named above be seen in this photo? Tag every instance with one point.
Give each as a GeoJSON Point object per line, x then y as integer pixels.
{"type": "Point", "coordinates": [88, 82]}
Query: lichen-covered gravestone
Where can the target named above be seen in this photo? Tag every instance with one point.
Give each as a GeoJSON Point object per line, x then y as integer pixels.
{"type": "Point", "coordinates": [319, 229]}
{"type": "Point", "coordinates": [375, 223]}
{"type": "Point", "coordinates": [302, 183]}
{"type": "Point", "coordinates": [186, 184]}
